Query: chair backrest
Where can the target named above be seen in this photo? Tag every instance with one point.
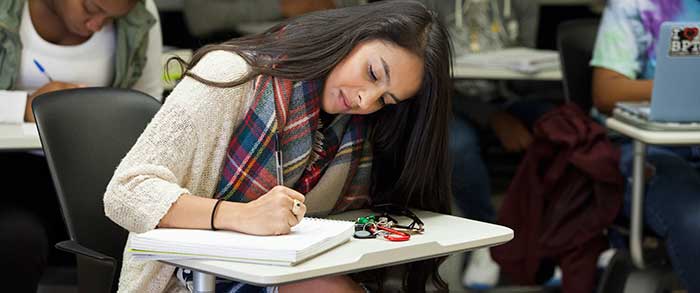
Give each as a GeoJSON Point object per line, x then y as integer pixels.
{"type": "Point", "coordinates": [575, 42]}
{"type": "Point", "coordinates": [85, 133]}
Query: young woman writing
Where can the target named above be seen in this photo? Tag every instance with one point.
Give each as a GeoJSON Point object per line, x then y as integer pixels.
{"type": "Point", "coordinates": [359, 98]}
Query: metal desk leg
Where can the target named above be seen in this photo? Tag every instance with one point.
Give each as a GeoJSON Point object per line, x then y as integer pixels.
{"type": "Point", "coordinates": [203, 282]}
{"type": "Point", "coordinates": [637, 208]}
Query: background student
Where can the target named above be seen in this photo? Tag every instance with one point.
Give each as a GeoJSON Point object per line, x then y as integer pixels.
{"type": "Point", "coordinates": [487, 108]}
{"type": "Point", "coordinates": [624, 63]}
{"type": "Point", "coordinates": [360, 99]}
{"type": "Point", "coordinates": [77, 43]}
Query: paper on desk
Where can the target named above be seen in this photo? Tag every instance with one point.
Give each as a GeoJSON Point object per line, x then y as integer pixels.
{"type": "Point", "coordinates": [523, 60]}
{"type": "Point", "coordinates": [147, 257]}
{"type": "Point", "coordinates": [310, 237]}
{"type": "Point", "coordinates": [29, 129]}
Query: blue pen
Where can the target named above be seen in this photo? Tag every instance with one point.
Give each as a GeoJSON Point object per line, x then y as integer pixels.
{"type": "Point", "coordinates": [42, 70]}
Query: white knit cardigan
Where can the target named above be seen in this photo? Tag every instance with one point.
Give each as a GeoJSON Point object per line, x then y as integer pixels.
{"type": "Point", "coordinates": [180, 152]}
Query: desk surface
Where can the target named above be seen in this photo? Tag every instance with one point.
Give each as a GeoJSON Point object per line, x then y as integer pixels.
{"type": "Point", "coordinates": [654, 137]}
{"type": "Point", "coordinates": [444, 235]}
{"type": "Point", "coordinates": [19, 137]}
{"type": "Point", "coordinates": [499, 64]}
{"type": "Point", "coordinates": [473, 72]}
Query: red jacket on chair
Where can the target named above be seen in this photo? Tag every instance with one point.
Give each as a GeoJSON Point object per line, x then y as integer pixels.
{"type": "Point", "coordinates": [567, 190]}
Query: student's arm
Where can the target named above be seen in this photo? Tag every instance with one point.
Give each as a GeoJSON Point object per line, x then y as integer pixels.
{"type": "Point", "coordinates": [260, 217]}
{"type": "Point", "coordinates": [511, 132]}
{"type": "Point", "coordinates": [292, 8]}
{"type": "Point", "coordinates": [204, 17]}
{"type": "Point", "coordinates": [610, 87]}
{"type": "Point", "coordinates": [619, 56]}
{"type": "Point", "coordinates": [150, 80]}
{"type": "Point", "coordinates": [147, 190]}
{"type": "Point", "coordinates": [16, 106]}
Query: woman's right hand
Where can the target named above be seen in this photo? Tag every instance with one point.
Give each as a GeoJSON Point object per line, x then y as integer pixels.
{"type": "Point", "coordinates": [46, 88]}
{"type": "Point", "coordinates": [270, 214]}
{"type": "Point", "coordinates": [292, 8]}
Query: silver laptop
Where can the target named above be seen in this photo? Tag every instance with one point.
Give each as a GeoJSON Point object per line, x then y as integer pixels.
{"type": "Point", "coordinates": [675, 99]}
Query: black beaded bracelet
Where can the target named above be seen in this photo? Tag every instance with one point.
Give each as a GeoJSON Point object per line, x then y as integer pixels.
{"type": "Point", "coordinates": [213, 212]}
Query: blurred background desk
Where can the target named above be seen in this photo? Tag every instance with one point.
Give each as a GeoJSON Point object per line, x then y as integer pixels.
{"type": "Point", "coordinates": [512, 63]}
{"type": "Point", "coordinates": [641, 139]}
{"type": "Point", "coordinates": [17, 137]}
{"type": "Point", "coordinates": [473, 72]}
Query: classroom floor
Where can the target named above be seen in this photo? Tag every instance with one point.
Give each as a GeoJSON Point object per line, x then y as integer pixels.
{"type": "Point", "coordinates": [451, 271]}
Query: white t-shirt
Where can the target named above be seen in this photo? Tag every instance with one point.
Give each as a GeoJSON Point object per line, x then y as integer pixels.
{"type": "Point", "coordinates": [90, 63]}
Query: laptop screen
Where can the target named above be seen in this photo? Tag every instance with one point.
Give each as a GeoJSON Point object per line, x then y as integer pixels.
{"type": "Point", "coordinates": [676, 92]}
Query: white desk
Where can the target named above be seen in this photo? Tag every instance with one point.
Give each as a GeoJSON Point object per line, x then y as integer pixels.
{"type": "Point", "coordinates": [641, 138]}
{"type": "Point", "coordinates": [654, 137]}
{"type": "Point", "coordinates": [444, 235]}
{"type": "Point", "coordinates": [499, 64]}
{"type": "Point", "coordinates": [473, 72]}
{"type": "Point", "coordinates": [15, 137]}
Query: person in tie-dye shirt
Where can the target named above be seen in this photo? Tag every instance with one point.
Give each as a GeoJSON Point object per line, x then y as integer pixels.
{"type": "Point", "coordinates": [624, 62]}
{"type": "Point", "coordinates": [624, 57]}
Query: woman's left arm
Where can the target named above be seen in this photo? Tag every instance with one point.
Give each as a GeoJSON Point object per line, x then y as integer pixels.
{"type": "Point", "coordinates": [150, 80]}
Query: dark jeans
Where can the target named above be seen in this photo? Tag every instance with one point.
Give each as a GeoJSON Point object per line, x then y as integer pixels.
{"type": "Point", "coordinates": [471, 186]}
{"type": "Point", "coordinates": [672, 204]}
{"type": "Point", "coordinates": [30, 220]}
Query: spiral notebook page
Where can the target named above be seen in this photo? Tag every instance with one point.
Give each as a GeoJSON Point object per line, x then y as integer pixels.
{"type": "Point", "coordinates": [310, 237]}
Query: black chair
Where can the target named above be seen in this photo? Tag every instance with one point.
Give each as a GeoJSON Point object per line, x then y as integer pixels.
{"type": "Point", "coordinates": [575, 42]}
{"type": "Point", "coordinates": [85, 133]}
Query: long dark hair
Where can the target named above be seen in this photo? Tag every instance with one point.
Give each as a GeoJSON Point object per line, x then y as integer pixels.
{"type": "Point", "coordinates": [410, 156]}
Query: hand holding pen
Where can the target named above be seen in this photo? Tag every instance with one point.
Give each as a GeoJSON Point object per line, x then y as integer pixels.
{"type": "Point", "coordinates": [50, 86]}
{"type": "Point", "coordinates": [275, 212]}
{"type": "Point", "coordinates": [58, 85]}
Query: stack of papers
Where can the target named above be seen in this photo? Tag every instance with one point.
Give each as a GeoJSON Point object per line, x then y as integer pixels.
{"type": "Point", "coordinates": [524, 60]}
{"type": "Point", "coordinates": [310, 237]}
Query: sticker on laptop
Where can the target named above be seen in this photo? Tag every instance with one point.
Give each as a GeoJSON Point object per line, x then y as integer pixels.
{"type": "Point", "coordinates": [684, 41]}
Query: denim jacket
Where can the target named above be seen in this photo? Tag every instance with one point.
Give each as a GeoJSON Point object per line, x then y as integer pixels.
{"type": "Point", "coordinates": [132, 40]}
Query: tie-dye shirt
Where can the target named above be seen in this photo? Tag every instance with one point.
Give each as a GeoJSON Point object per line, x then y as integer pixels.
{"type": "Point", "coordinates": [629, 30]}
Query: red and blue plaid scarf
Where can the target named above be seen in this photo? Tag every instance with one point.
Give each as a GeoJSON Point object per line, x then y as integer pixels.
{"type": "Point", "coordinates": [249, 167]}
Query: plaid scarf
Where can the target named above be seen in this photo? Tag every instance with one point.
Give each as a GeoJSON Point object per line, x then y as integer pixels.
{"type": "Point", "coordinates": [332, 167]}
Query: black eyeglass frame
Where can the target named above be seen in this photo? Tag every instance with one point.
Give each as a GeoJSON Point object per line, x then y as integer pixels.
{"type": "Point", "coordinates": [392, 209]}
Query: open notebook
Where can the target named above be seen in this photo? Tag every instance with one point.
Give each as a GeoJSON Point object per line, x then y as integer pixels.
{"type": "Point", "coordinates": [310, 237]}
